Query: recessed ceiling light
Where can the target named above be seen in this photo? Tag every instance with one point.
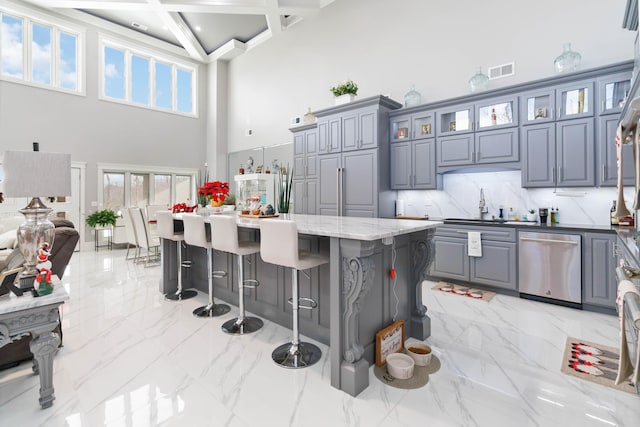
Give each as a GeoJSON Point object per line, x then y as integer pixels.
{"type": "Point", "coordinates": [198, 28]}
{"type": "Point", "coordinates": [139, 26]}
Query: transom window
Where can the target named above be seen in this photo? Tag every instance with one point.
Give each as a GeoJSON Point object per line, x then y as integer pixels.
{"type": "Point", "coordinates": [40, 52]}
{"type": "Point", "coordinates": [144, 79]}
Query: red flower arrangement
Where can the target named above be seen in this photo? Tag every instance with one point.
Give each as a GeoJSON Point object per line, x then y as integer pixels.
{"type": "Point", "coordinates": [214, 190]}
{"type": "Point", "coordinates": [183, 207]}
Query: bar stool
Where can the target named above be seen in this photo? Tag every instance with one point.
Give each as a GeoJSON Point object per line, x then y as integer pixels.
{"type": "Point", "coordinates": [167, 231]}
{"type": "Point", "coordinates": [227, 240]}
{"type": "Point", "coordinates": [279, 245]}
{"type": "Point", "coordinates": [195, 234]}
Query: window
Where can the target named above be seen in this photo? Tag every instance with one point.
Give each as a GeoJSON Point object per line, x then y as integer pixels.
{"type": "Point", "coordinates": [39, 51]}
{"type": "Point", "coordinates": [145, 79]}
{"type": "Point", "coordinates": [130, 185]}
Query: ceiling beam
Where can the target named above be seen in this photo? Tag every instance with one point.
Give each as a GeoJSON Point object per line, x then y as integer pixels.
{"type": "Point", "coordinates": [272, 14]}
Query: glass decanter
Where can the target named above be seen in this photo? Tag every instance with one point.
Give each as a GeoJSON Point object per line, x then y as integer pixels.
{"type": "Point", "coordinates": [478, 81]}
{"type": "Point", "coordinates": [567, 61]}
{"type": "Point", "coordinates": [412, 98]}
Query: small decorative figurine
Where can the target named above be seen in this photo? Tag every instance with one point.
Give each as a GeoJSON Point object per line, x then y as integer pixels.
{"type": "Point", "coordinates": [43, 282]}
{"type": "Point", "coordinates": [270, 210]}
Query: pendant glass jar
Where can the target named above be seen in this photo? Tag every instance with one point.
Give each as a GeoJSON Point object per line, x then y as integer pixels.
{"type": "Point", "coordinates": [479, 81]}
{"type": "Point", "coordinates": [567, 61]}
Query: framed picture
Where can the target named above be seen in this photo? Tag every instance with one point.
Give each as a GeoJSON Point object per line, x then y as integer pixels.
{"type": "Point", "coordinates": [425, 129]}
{"type": "Point", "coordinates": [452, 126]}
{"type": "Point", "coordinates": [259, 169]}
{"type": "Point", "coordinates": [403, 133]}
{"type": "Point", "coordinates": [389, 340]}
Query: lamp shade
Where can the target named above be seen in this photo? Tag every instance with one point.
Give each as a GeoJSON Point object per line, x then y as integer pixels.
{"type": "Point", "coordinates": [36, 174]}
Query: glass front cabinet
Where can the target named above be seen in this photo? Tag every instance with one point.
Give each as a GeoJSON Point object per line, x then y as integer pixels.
{"type": "Point", "coordinates": [613, 92]}
{"type": "Point", "coordinates": [537, 106]}
{"type": "Point", "coordinates": [496, 113]}
{"type": "Point", "coordinates": [575, 100]}
{"type": "Point", "coordinates": [456, 120]}
{"type": "Point", "coordinates": [413, 126]}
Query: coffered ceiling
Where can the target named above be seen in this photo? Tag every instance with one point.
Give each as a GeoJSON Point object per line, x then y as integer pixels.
{"type": "Point", "coordinates": [206, 29]}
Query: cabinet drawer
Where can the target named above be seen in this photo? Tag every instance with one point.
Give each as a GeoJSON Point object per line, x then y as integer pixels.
{"type": "Point", "coordinates": [495, 233]}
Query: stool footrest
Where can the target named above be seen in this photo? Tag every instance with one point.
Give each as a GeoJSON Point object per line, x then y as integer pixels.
{"type": "Point", "coordinates": [218, 274]}
{"type": "Point", "coordinates": [307, 303]}
{"type": "Point", "coordinates": [250, 284]}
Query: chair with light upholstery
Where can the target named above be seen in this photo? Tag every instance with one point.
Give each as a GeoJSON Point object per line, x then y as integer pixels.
{"type": "Point", "coordinates": [131, 235]}
{"type": "Point", "coordinates": [195, 234]}
{"type": "Point", "coordinates": [226, 239]}
{"type": "Point", "coordinates": [279, 246]}
{"type": "Point", "coordinates": [145, 239]}
{"type": "Point", "coordinates": [167, 231]}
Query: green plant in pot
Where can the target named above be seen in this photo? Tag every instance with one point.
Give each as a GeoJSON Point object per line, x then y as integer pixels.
{"type": "Point", "coordinates": [102, 218]}
{"type": "Point", "coordinates": [346, 88]}
{"type": "Point", "coordinates": [285, 184]}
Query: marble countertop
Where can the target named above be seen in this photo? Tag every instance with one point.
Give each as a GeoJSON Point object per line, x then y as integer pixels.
{"type": "Point", "coordinates": [10, 303]}
{"type": "Point", "coordinates": [537, 226]}
{"type": "Point", "coordinates": [347, 227]}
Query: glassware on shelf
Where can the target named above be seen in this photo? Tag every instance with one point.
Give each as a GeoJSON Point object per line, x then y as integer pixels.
{"type": "Point", "coordinates": [412, 98]}
{"type": "Point", "coordinates": [567, 61]}
{"type": "Point", "coordinates": [478, 81]}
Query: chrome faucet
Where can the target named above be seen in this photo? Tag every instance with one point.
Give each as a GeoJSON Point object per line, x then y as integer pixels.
{"type": "Point", "coordinates": [482, 206]}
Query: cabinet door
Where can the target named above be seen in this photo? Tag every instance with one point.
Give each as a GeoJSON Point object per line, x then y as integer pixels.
{"type": "Point", "coordinates": [329, 134]}
{"type": "Point", "coordinates": [456, 120]}
{"type": "Point", "coordinates": [312, 197]}
{"type": "Point", "coordinates": [367, 129]}
{"type": "Point", "coordinates": [299, 144]}
{"type": "Point", "coordinates": [600, 284]}
{"type": "Point", "coordinates": [497, 146]}
{"type": "Point", "coordinates": [575, 153]}
{"type": "Point", "coordinates": [496, 112]}
{"type": "Point", "coordinates": [328, 188]}
{"type": "Point", "coordinates": [311, 165]}
{"type": "Point", "coordinates": [299, 167]}
{"type": "Point", "coordinates": [350, 136]}
{"type": "Point", "coordinates": [538, 155]}
{"type": "Point", "coordinates": [299, 195]}
{"type": "Point", "coordinates": [607, 166]}
{"type": "Point", "coordinates": [423, 165]}
{"type": "Point", "coordinates": [537, 106]}
{"type": "Point", "coordinates": [455, 150]}
{"type": "Point", "coordinates": [574, 100]}
{"type": "Point", "coordinates": [422, 125]}
{"type": "Point", "coordinates": [401, 166]}
{"type": "Point", "coordinates": [360, 183]}
{"type": "Point", "coordinates": [400, 128]}
{"type": "Point", "coordinates": [613, 92]}
{"type": "Point", "coordinates": [496, 266]}
{"type": "Point", "coordinates": [451, 260]}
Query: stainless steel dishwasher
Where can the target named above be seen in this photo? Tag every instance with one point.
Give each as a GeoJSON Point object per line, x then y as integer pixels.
{"type": "Point", "coordinates": [550, 266]}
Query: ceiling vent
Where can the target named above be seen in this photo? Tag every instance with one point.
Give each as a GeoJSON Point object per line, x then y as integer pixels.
{"type": "Point", "coordinates": [139, 26]}
{"type": "Point", "coordinates": [504, 70]}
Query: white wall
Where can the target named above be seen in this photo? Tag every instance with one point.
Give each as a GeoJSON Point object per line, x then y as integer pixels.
{"type": "Point", "coordinates": [385, 46]}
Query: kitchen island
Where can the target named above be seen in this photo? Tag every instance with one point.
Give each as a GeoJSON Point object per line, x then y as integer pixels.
{"type": "Point", "coordinates": [354, 292]}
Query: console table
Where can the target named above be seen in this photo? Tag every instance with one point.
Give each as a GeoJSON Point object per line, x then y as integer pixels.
{"type": "Point", "coordinates": [38, 316]}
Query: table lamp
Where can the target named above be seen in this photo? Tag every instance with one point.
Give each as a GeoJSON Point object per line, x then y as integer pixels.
{"type": "Point", "coordinates": [34, 174]}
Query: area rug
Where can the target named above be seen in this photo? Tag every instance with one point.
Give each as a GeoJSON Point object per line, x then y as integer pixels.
{"type": "Point", "coordinates": [419, 379]}
{"type": "Point", "coordinates": [465, 291]}
{"type": "Point", "coordinates": [593, 362]}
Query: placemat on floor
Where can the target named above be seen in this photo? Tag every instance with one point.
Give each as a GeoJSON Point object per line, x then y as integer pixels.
{"type": "Point", "coordinates": [593, 362]}
{"type": "Point", "coordinates": [419, 379]}
{"type": "Point", "coordinates": [465, 291]}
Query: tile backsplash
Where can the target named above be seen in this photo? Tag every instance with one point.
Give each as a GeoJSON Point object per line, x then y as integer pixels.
{"type": "Point", "coordinates": [460, 196]}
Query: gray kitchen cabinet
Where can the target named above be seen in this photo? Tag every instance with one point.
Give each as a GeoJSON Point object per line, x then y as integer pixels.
{"type": "Point", "coordinates": [413, 166]}
{"type": "Point", "coordinates": [599, 285]}
{"type": "Point", "coordinates": [305, 169]}
{"type": "Point", "coordinates": [565, 158]}
{"type": "Point", "coordinates": [456, 120]}
{"type": "Point", "coordinates": [496, 113]}
{"type": "Point", "coordinates": [537, 106]}
{"type": "Point", "coordinates": [456, 150]}
{"type": "Point", "coordinates": [360, 129]}
{"type": "Point", "coordinates": [496, 146]}
{"type": "Point", "coordinates": [496, 267]}
{"type": "Point", "coordinates": [329, 134]}
{"type": "Point", "coordinates": [613, 91]}
{"type": "Point", "coordinates": [606, 165]}
{"type": "Point", "coordinates": [412, 126]}
{"type": "Point", "coordinates": [575, 100]}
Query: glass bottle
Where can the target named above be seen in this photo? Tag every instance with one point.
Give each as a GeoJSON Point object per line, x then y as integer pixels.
{"type": "Point", "coordinates": [478, 81]}
{"type": "Point", "coordinates": [614, 219]}
{"type": "Point", "coordinates": [412, 98]}
{"type": "Point", "coordinates": [568, 60]}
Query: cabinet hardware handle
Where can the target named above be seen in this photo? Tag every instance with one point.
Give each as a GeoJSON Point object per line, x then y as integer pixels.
{"type": "Point", "coordinates": [565, 242]}
{"type": "Point", "coordinates": [473, 157]}
{"type": "Point", "coordinates": [604, 173]}
{"type": "Point", "coordinates": [477, 157]}
{"type": "Point", "coordinates": [554, 174]}
{"type": "Point", "coordinates": [561, 174]}
{"type": "Point", "coordinates": [551, 117]}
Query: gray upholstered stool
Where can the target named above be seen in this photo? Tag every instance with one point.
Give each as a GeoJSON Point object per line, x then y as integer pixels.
{"type": "Point", "coordinates": [195, 234]}
{"type": "Point", "coordinates": [227, 240]}
{"type": "Point", "coordinates": [279, 245]}
{"type": "Point", "coordinates": [167, 231]}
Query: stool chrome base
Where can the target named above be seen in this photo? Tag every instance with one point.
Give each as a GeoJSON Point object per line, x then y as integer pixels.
{"type": "Point", "coordinates": [180, 295]}
{"type": "Point", "coordinates": [241, 327]}
{"type": "Point", "coordinates": [211, 310]}
{"type": "Point", "coordinates": [288, 356]}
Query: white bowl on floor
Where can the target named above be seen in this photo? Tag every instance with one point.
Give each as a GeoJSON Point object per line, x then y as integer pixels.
{"type": "Point", "coordinates": [400, 366]}
{"type": "Point", "coordinates": [420, 353]}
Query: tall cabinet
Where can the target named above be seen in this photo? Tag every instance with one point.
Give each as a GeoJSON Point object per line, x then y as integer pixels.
{"type": "Point", "coordinates": [305, 169]}
{"type": "Point", "coordinates": [353, 159]}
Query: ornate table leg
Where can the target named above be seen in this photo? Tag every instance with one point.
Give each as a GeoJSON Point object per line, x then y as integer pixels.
{"type": "Point", "coordinates": [357, 276]}
{"type": "Point", "coordinates": [44, 347]}
{"type": "Point", "coordinates": [423, 251]}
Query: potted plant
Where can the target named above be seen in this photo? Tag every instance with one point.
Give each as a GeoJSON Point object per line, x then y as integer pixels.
{"type": "Point", "coordinates": [214, 192]}
{"type": "Point", "coordinates": [285, 181]}
{"type": "Point", "coordinates": [102, 218]}
{"type": "Point", "coordinates": [344, 92]}
{"type": "Point", "coordinates": [531, 215]}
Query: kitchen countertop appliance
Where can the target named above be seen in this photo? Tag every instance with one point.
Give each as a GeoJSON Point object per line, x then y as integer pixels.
{"type": "Point", "coordinates": [550, 267]}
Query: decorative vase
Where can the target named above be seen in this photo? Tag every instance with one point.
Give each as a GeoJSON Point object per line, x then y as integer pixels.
{"type": "Point", "coordinates": [344, 99]}
{"type": "Point", "coordinates": [478, 81]}
{"type": "Point", "coordinates": [308, 118]}
{"type": "Point", "coordinates": [216, 204]}
{"type": "Point", "coordinates": [567, 61]}
{"type": "Point", "coordinates": [412, 98]}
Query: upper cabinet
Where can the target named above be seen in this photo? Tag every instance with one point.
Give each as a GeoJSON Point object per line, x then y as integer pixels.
{"type": "Point", "coordinates": [537, 106]}
{"type": "Point", "coordinates": [613, 92]}
{"type": "Point", "coordinates": [412, 126]}
{"type": "Point", "coordinates": [456, 120]}
{"type": "Point", "coordinates": [575, 100]}
{"type": "Point", "coordinates": [496, 113]}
